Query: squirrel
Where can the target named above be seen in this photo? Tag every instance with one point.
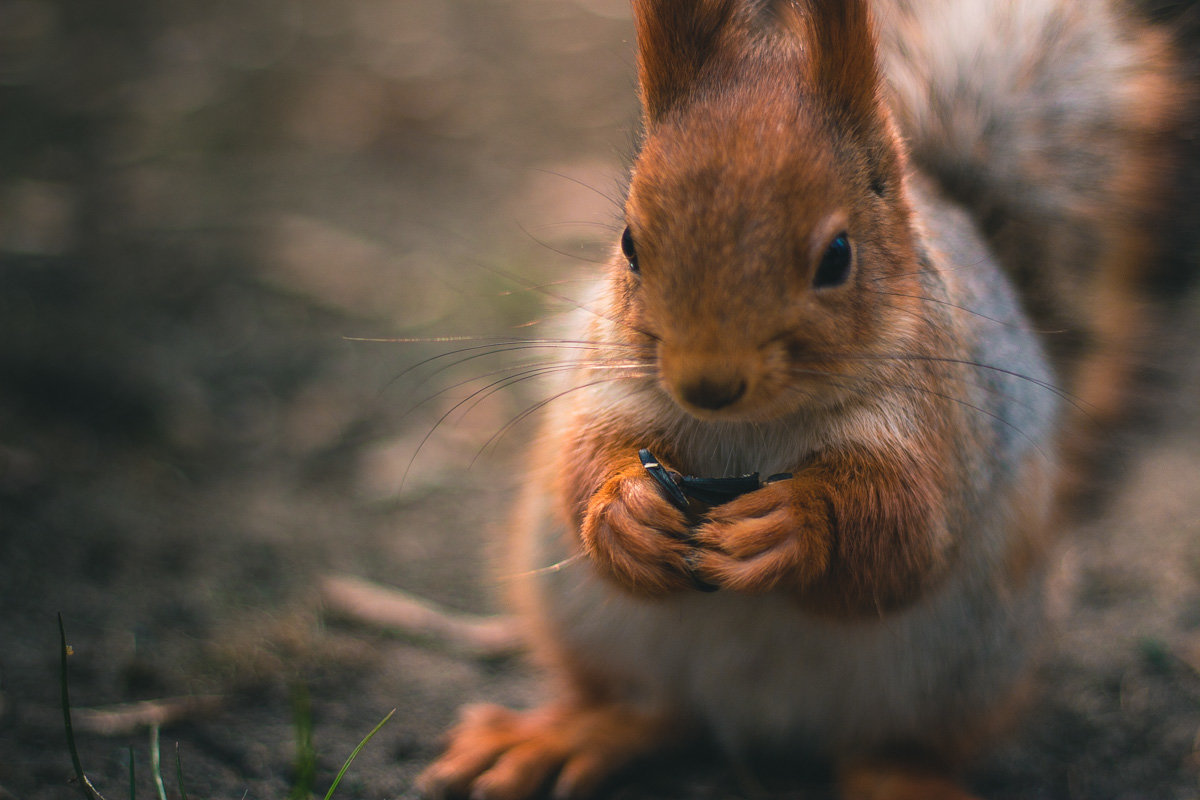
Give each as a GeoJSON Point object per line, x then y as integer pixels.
{"type": "Point", "coordinates": [850, 227]}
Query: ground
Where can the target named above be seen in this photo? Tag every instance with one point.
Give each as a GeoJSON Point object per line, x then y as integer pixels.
{"type": "Point", "coordinates": [205, 208]}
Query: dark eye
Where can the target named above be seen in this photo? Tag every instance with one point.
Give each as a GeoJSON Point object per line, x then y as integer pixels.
{"type": "Point", "coordinates": [834, 268]}
{"type": "Point", "coordinates": [628, 250]}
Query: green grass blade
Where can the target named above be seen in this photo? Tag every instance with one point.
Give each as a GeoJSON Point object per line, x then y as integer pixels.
{"type": "Point", "coordinates": [85, 785]}
{"type": "Point", "coordinates": [179, 773]}
{"type": "Point", "coordinates": [357, 750]}
{"type": "Point", "coordinates": [132, 777]}
{"type": "Point", "coordinates": [156, 764]}
{"type": "Point", "coordinates": [306, 754]}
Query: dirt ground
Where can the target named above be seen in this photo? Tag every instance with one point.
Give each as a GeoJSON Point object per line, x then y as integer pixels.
{"type": "Point", "coordinates": [204, 208]}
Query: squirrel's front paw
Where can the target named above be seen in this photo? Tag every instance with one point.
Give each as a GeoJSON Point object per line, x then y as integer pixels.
{"type": "Point", "coordinates": [774, 537]}
{"type": "Point", "coordinates": [637, 538]}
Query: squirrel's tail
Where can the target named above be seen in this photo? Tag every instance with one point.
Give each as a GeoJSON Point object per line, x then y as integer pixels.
{"type": "Point", "coordinates": [1064, 127]}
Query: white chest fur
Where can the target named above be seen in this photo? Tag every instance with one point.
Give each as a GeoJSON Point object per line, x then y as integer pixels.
{"type": "Point", "coordinates": [760, 672]}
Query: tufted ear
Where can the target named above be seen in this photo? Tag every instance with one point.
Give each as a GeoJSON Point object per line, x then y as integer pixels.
{"type": "Point", "coordinates": [674, 40]}
{"type": "Point", "coordinates": [843, 62]}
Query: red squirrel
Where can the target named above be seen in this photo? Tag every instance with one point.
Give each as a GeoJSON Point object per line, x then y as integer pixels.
{"type": "Point", "coordinates": [847, 226]}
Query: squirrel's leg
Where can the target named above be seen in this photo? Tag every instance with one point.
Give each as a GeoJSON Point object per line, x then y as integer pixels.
{"type": "Point", "coordinates": [895, 780]}
{"type": "Point", "coordinates": [571, 749]}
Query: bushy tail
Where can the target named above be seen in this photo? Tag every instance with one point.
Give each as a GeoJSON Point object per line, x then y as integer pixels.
{"type": "Point", "coordinates": [1064, 128]}
{"type": "Point", "coordinates": [1057, 124]}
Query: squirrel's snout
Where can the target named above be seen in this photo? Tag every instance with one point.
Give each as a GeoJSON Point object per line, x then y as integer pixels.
{"type": "Point", "coordinates": [708, 380]}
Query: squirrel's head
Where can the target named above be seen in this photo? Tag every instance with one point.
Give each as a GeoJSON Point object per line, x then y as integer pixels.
{"type": "Point", "coordinates": [766, 204]}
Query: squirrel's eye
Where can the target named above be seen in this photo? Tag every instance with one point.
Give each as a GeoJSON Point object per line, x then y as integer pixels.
{"type": "Point", "coordinates": [834, 268]}
{"type": "Point", "coordinates": [628, 250]}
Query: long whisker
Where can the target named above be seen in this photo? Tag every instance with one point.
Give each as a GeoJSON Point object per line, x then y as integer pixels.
{"type": "Point", "coordinates": [915, 314]}
{"type": "Point", "coordinates": [539, 406]}
{"type": "Point", "coordinates": [616, 203]}
{"type": "Point", "coordinates": [962, 308]}
{"type": "Point", "coordinates": [541, 287]}
{"type": "Point", "coordinates": [490, 344]}
{"type": "Point", "coordinates": [563, 253]}
{"type": "Point", "coordinates": [980, 385]}
{"type": "Point", "coordinates": [440, 420]}
{"type": "Point", "coordinates": [478, 394]}
{"type": "Point", "coordinates": [511, 371]}
{"type": "Point", "coordinates": [498, 349]}
{"type": "Point", "coordinates": [608, 226]}
{"type": "Point", "coordinates": [848, 383]}
{"type": "Point", "coordinates": [1059, 392]}
{"type": "Point", "coordinates": [520, 281]}
{"type": "Point", "coordinates": [926, 269]}
{"type": "Point", "coordinates": [537, 372]}
{"type": "Point", "coordinates": [548, 570]}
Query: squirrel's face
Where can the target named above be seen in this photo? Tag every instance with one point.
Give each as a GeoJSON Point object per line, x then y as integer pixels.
{"type": "Point", "coordinates": [759, 240]}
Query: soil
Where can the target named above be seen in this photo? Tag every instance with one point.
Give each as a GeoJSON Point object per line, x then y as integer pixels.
{"type": "Point", "coordinates": [207, 212]}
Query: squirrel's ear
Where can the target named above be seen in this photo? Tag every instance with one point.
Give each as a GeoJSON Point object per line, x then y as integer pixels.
{"type": "Point", "coordinates": [674, 39]}
{"type": "Point", "coordinates": [843, 59]}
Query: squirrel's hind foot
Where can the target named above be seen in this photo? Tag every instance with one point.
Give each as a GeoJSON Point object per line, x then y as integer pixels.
{"type": "Point", "coordinates": [564, 752]}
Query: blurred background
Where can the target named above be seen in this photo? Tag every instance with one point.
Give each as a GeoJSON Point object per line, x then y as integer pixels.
{"type": "Point", "coordinates": [205, 209]}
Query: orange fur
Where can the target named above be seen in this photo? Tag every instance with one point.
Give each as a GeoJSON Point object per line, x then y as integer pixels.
{"type": "Point", "coordinates": [795, 293]}
{"type": "Point", "coordinates": [1115, 321]}
{"type": "Point", "coordinates": [504, 755]}
{"type": "Point", "coordinates": [884, 781]}
{"type": "Point", "coordinates": [675, 37]}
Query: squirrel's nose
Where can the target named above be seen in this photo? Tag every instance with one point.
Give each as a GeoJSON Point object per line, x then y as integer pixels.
{"type": "Point", "coordinates": [713, 394]}
{"type": "Point", "coordinates": [708, 379]}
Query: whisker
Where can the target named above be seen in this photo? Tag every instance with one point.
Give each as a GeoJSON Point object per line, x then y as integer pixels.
{"type": "Point", "coordinates": [538, 407]}
{"type": "Point", "coordinates": [426, 339]}
{"type": "Point", "coordinates": [946, 329]}
{"type": "Point", "coordinates": [848, 383]}
{"type": "Point", "coordinates": [976, 384]}
{"type": "Point", "coordinates": [517, 279]}
{"type": "Point", "coordinates": [557, 567]}
{"type": "Point", "coordinates": [438, 424]}
{"type": "Point", "coordinates": [492, 344]}
{"type": "Point", "coordinates": [616, 203]}
{"type": "Point", "coordinates": [970, 311]}
{"type": "Point", "coordinates": [914, 314]}
{"type": "Point", "coordinates": [512, 368]}
{"type": "Point", "coordinates": [537, 372]}
{"type": "Point", "coordinates": [513, 348]}
{"type": "Point", "coordinates": [563, 253]}
{"type": "Point", "coordinates": [473, 399]}
{"type": "Point", "coordinates": [589, 222]}
{"type": "Point", "coordinates": [1058, 392]}
{"type": "Point", "coordinates": [541, 287]}
{"type": "Point", "coordinates": [928, 268]}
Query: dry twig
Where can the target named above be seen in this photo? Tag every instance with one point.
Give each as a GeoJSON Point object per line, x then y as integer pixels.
{"type": "Point", "coordinates": [127, 718]}
{"type": "Point", "coordinates": [398, 612]}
